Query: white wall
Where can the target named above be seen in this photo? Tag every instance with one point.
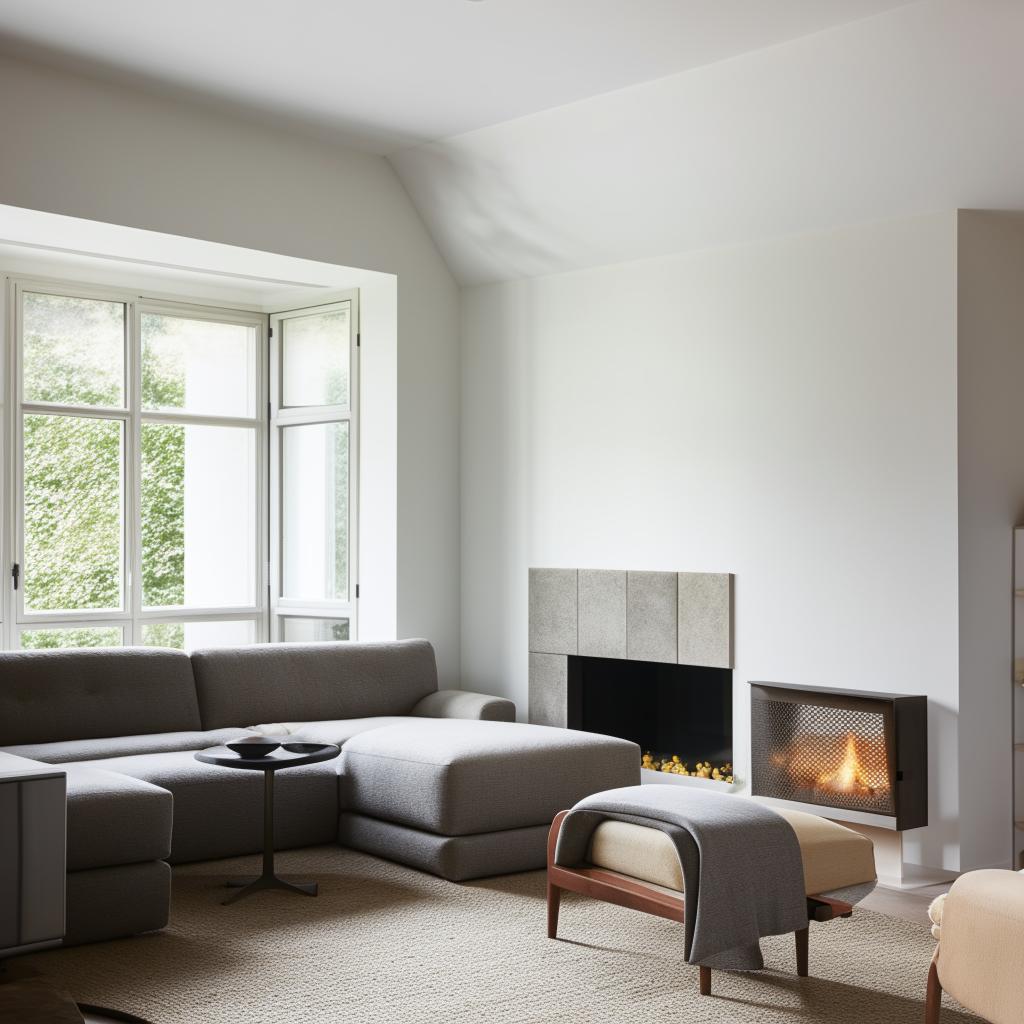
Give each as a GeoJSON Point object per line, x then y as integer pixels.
{"type": "Point", "coordinates": [78, 147]}
{"type": "Point", "coordinates": [990, 383]}
{"type": "Point", "coordinates": [784, 411]}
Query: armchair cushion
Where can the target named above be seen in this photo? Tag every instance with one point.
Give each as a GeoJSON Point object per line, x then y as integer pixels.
{"type": "Point", "coordinates": [935, 915]}
{"type": "Point", "coordinates": [463, 704]}
{"type": "Point", "coordinates": [981, 957]}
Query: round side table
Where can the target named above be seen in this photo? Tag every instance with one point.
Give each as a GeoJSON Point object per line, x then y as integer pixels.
{"type": "Point", "coordinates": [288, 755]}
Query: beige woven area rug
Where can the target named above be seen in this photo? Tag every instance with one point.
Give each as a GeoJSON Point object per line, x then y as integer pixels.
{"type": "Point", "coordinates": [383, 943]}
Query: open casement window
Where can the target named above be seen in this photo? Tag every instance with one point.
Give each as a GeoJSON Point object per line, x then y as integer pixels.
{"type": "Point", "coordinates": [314, 401]}
{"type": "Point", "coordinates": [139, 483]}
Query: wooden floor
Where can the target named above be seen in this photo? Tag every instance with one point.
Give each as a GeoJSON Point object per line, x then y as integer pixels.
{"type": "Point", "coordinates": [907, 904]}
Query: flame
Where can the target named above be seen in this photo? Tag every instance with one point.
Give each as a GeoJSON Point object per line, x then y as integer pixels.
{"type": "Point", "coordinates": [849, 776]}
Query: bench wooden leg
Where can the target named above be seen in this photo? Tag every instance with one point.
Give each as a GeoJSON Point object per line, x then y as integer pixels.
{"type": "Point", "coordinates": [705, 981]}
{"type": "Point", "coordinates": [802, 941]}
{"type": "Point", "coordinates": [554, 899]}
{"type": "Point", "coordinates": [933, 1000]}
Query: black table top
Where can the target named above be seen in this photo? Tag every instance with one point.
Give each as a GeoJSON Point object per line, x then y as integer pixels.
{"type": "Point", "coordinates": [282, 757]}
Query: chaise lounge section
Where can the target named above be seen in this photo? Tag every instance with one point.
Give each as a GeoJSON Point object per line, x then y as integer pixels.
{"type": "Point", "coordinates": [467, 802]}
{"type": "Point", "coordinates": [442, 780]}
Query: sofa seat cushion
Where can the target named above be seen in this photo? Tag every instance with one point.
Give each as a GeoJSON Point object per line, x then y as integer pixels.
{"type": "Point", "coordinates": [457, 777]}
{"type": "Point", "coordinates": [834, 857]}
{"type": "Point", "coordinates": [218, 812]}
{"type": "Point", "coordinates": [340, 731]}
{"type": "Point", "coordinates": [122, 746]}
{"type": "Point", "coordinates": [114, 819]}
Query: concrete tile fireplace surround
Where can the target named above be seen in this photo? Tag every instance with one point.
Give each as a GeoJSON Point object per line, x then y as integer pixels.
{"type": "Point", "coordinates": [595, 622]}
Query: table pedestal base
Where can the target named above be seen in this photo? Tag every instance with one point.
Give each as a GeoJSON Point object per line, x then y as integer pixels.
{"type": "Point", "coordinates": [247, 886]}
{"type": "Point", "coordinates": [268, 880]}
{"type": "Point", "coordinates": [289, 755]}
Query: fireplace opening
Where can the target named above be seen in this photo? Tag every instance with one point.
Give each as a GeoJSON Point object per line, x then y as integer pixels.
{"type": "Point", "coordinates": [679, 715]}
{"type": "Point", "coordinates": [850, 750]}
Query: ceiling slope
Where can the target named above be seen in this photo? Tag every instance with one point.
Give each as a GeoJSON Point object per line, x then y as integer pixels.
{"type": "Point", "coordinates": [913, 111]}
{"type": "Point", "coordinates": [388, 73]}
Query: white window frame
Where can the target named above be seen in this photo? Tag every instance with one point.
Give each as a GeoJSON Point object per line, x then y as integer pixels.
{"type": "Point", "coordinates": [6, 462]}
{"type": "Point", "coordinates": [282, 416]}
{"type": "Point", "coordinates": [131, 617]}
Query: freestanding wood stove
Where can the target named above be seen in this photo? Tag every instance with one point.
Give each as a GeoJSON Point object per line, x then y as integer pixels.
{"type": "Point", "coordinates": [847, 749]}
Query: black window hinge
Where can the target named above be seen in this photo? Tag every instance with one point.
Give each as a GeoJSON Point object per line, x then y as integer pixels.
{"type": "Point", "coordinates": [16, 574]}
{"type": "Point", "coordinates": [357, 591]}
{"type": "Point", "coordinates": [270, 332]}
{"type": "Point", "coordinates": [359, 339]}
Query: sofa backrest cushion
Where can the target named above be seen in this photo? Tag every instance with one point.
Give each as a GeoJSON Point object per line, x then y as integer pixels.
{"type": "Point", "coordinates": [51, 696]}
{"type": "Point", "coordinates": [266, 683]}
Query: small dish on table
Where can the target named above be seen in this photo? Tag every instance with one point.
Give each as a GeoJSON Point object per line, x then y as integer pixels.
{"type": "Point", "coordinates": [254, 746]}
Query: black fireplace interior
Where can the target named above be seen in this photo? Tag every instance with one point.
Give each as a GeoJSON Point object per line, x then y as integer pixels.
{"type": "Point", "coordinates": [666, 709]}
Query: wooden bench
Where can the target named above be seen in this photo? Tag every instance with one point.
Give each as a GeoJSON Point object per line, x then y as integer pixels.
{"type": "Point", "coordinates": [638, 868]}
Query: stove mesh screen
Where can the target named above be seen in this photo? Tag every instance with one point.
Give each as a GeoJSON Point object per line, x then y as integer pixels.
{"type": "Point", "coordinates": [832, 756]}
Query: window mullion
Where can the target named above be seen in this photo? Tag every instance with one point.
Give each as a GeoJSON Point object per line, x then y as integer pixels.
{"type": "Point", "coordinates": [133, 513]}
{"type": "Point", "coordinates": [185, 419]}
{"type": "Point", "coordinates": [8, 399]}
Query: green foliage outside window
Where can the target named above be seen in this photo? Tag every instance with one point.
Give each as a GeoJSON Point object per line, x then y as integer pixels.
{"type": "Point", "coordinates": [47, 639]}
{"type": "Point", "coordinates": [73, 472]}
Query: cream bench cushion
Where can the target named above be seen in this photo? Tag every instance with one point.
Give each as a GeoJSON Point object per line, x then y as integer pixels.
{"type": "Point", "coordinates": [834, 856]}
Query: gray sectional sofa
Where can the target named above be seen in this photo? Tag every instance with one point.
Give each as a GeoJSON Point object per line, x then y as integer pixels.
{"type": "Point", "coordinates": [442, 780]}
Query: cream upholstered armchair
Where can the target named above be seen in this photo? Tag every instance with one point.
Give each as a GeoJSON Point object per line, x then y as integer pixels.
{"type": "Point", "coordinates": [980, 958]}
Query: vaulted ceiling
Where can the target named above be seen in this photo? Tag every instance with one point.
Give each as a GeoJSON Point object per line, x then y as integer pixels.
{"type": "Point", "coordinates": [387, 73]}
{"type": "Point", "coordinates": [538, 136]}
{"type": "Point", "coordinates": [915, 111]}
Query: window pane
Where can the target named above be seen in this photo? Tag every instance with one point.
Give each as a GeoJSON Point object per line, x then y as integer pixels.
{"type": "Point", "coordinates": [311, 630]}
{"type": "Point", "coordinates": [74, 636]}
{"type": "Point", "coordinates": [73, 506]}
{"type": "Point", "coordinates": [73, 350]}
{"type": "Point", "coordinates": [315, 357]}
{"type": "Point", "coordinates": [198, 366]}
{"type": "Point", "coordinates": [314, 511]}
{"type": "Point", "coordinates": [199, 525]}
{"type": "Point", "coordinates": [187, 636]}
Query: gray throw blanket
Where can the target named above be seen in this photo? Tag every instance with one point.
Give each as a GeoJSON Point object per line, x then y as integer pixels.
{"type": "Point", "coordinates": [743, 875]}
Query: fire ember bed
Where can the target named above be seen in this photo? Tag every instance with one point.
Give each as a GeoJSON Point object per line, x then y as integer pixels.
{"type": "Point", "coordinates": [858, 751]}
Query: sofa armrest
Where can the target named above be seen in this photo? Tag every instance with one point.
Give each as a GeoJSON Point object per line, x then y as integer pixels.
{"type": "Point", "coordinates": [463, 704]}
{"type": "Point", "coordinates": [981, 950]}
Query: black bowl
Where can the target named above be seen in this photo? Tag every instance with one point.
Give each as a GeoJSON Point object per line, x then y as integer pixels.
{"type": "Point", "coordinates": [254, 746]}
{"type": "Point", "coordinates": [304, 748]}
